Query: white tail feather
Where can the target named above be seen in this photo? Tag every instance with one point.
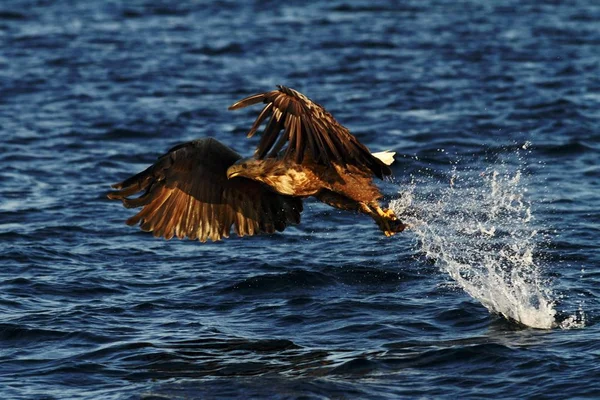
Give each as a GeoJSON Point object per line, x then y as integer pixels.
{"type": "Point", "coordinates": [387, 157]}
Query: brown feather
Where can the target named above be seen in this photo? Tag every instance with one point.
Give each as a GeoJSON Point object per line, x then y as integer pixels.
{"type": "Point", "coordinates": [259, 120]}
{"type": "Point", "coordinates": [309, 134]}
{"type": "Point", "coordinates": [248, 101]}
{"type": "Point", "coordinates": [279, 145]}
{"type": "Point", "coordinates": [139, 201]}
{"type": "Point", "coordinates": [299, 141]}
{"type": "Point", "coordinates": [269, 136]}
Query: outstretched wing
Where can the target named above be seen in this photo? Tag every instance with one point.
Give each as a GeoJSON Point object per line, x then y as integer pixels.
{"type": "Point", "coordinates": [187, 193]}
{"type": "Point", "coordinates": [309, 131]}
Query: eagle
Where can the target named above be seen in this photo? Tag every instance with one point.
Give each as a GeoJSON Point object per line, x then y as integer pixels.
{"type": "Point", "coordinates": [200, 189]}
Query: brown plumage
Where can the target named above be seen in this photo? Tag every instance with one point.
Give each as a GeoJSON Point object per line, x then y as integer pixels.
{"type": "Point", "coordinates": [312, 134]}
{"type": "Point", "coordinates": [186, 193]}
{"type": "Point", "coordinates": [202, 188]}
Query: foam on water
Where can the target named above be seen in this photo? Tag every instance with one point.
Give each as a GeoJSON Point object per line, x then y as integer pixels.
{"type": "Point", "coordinates": [479, 228]}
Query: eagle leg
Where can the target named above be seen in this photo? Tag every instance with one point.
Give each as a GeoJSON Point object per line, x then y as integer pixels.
{"type": "Point", "coordinates": [338, 201]}
{"type": "Point", "coordinates": [389, 214]}
{"type": "Point", "coordinates": [385, 219]}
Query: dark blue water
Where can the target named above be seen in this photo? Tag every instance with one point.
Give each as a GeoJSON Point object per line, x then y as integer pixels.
{"type": "Point", "coordinates": [92, 92]}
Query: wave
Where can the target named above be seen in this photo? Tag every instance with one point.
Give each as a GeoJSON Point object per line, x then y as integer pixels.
{"type": "Point", "coordinates": [301, 279]}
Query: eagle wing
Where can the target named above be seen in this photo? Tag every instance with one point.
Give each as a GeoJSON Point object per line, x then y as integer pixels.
{"type": "Point", "coordinates": [187, 193]}
{"type": "Point", "coordinates": [309, 131]}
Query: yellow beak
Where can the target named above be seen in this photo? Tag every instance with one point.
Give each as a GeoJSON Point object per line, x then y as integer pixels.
{"type": "Point", "coordinates": [233, 171]}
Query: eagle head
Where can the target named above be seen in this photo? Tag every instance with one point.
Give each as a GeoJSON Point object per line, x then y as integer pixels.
{"type": "Point", "coordinates": [248, 168]}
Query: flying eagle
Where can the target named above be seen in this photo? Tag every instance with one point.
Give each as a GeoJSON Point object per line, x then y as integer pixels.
{"type": "Point", "coordinates": [201, 188]}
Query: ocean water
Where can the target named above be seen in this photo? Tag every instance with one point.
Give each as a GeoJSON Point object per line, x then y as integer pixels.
{"type": "Point", "coordinates": [493, 109]}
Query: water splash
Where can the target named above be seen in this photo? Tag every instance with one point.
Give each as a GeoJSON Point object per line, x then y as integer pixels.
{"type": "Point", "coordinates": [478, 227]}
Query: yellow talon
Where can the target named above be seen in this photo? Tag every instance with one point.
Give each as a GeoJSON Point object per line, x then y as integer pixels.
{"type": "Point", "coordinates": [386, 220]}
{"type": "Point", "coordinates": [390, 214]}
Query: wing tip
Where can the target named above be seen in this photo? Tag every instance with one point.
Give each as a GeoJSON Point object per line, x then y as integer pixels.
{"type": "Point", "coordinates": [113, 195]}
{"type": "Point", "coordinates": [247, 101]}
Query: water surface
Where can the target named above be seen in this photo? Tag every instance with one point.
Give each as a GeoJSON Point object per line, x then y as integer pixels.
{"type": "Point", "coordinates": [492, 110]}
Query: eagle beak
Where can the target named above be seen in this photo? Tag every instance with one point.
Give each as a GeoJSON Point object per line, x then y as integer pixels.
{"type": "Point", "coordinates": [233, 171]}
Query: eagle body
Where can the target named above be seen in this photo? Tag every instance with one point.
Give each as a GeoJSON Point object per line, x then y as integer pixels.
{"type": "Point", "coordinates": [201, 189]}
{"type": "Point", "coordinates": [309, 179]}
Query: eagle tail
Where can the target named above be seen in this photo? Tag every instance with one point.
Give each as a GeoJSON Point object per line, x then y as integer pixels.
{"type": "Point", "coordinates": [386, 157]}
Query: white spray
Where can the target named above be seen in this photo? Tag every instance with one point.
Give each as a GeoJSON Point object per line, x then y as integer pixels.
{"type": "Point", "coordinates": [478, 228]}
